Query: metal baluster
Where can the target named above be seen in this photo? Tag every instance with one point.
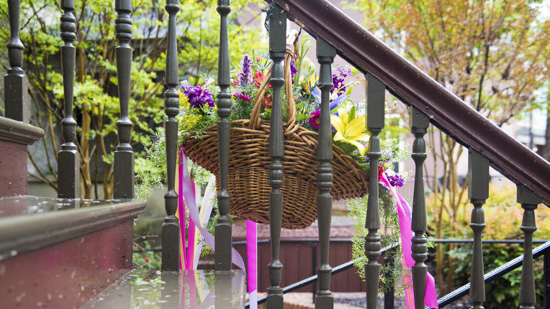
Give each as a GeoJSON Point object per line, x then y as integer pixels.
{"type": "Point", "coordinates": [68, 159]}
{"type": "Point", "coordinates": [325, 56]}
{"type": "Point", "coordinates": [277, 49]}
{"type": "Point", "coordinates": [419, 127]}
{"type": "Point", "coordinates": [529, 202]}
{"type": "Point", "coordinates": [478, 192]}
{"type": "Point", "coordinates": [546, 282]}
{"type": "Point", "coordinates": [170, 228]}
{"type": "Point", "coordinates": [223, 225]}
{"type": "Point", "coordinates": [15, 82]}
{"type": "Point", "coordinates": [373, 245]}
{"type": "Point", "coordinates": [124, 156]}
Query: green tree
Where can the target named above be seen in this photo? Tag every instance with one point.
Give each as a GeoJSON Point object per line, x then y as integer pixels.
{"type": "Point", "coordinates": [491, 54]}
{"type": "Point", "coordinates": [96, 104]}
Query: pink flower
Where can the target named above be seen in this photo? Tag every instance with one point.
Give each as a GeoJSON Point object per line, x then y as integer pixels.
{"type": "Point", "coordinates": [315, 119]}
{"type": "Point", "coordinates": [242, 96]}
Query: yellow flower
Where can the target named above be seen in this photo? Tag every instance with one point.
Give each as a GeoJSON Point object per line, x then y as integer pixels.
{"type": "Point", "coordinates": [184, 100]}
{"type": "Point", "coordinates": [351, 131]}
{"type": "Point", "coordinates": [310, 83]}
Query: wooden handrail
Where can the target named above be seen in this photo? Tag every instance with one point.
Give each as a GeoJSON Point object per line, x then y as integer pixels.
{"type": "Point", "coordinates": [407, 82]}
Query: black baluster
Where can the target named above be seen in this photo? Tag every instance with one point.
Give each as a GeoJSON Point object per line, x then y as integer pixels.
{"type": "Point", "coordinates": [124, 156]}
{"type": "Point", "coordinates": [325, 56]}
{"type": "Point", "coordinates": [419, 127]}
{"type": "Point", "coordinates": [68, 160]}
{"type": "Point", "coordinates": [277, 49]}
{"type": "Point", "coordinates": [478, 192]}
{"type": "Point", "coordinates": [529, 202]}
{"type": "Point", "coordinates": [546, 281]}
{"type": "Point", "coordinates": [373, 245]}
{"type": "Point", "coordinates": [223, 225]}
{"type": "Point", "coordinates": [15, 82]}
{"type": "Point", "coordinates": [171, 228]}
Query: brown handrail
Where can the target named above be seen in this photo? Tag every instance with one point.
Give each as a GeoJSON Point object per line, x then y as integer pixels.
{"type": "Point", "coordinates": [445, 110]}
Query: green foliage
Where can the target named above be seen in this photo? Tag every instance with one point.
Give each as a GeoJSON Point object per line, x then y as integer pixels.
{"type": "Point", "coordinates": [393, 271]}
{"type": "Point", "coordinates": [503, 219]}
{"type": "Point", "coordinates": [151, 169]}
{"type": "Point", "coordinates": [146, 258]}
{"type": "Point", "coordinates": [96, 103]}
{"type": "Point", "coordinates": [390, 233]}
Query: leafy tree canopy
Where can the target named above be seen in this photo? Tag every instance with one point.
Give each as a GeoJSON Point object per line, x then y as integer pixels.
{"type": "Point", "coordinates": [492, 54]}
{"type": "Point", "coordinates": [96, 103]}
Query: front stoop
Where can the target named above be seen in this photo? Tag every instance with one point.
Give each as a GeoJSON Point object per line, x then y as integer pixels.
{"type": "Point", "coordinates": [186, 289]}
{"type": "Point", "coordinates": [59, 253]}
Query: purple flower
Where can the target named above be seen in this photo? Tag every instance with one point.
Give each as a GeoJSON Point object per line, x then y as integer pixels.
{"type": "Point", "coordinates": [315, 119]}
{"type": "Point", "coordinates": [242, 96]}
{"type": "Point", "coordinates": [293, 70]}
{"type": "Point", "coordinates": [244, 76]}
{"type": "Point", "coordinates": [338, 80]}
{"type": "Point", "coordinates": [198, 96]}
{"type": "Point", "coordinates": [396, 180]}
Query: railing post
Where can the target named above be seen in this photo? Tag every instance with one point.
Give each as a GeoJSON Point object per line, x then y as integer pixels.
{"type": "Point", "coordinates": [314, 263]}
{"type": "Point", "coordinates": [15, 82]}
{"type": "Point", "coordinates": [529, 202]}
{"type": "Point", "coordinates": [68, 160]}
{"type": "Point", "coordinates": [373, 245]}
{"type": "Point", "coordinates": [325, 56]}
{"type": "Point", "coordinates": [419, 127]}
{"type": "Point", "coordinates": [478, 192]}
{"type": "Point", "coordinates": [546, 265]}
{"type": "Point", "coordinates": [223, 225]}
{"type": "Point", "coordinates": [124, 156]}
{"type": "Point", "coordinates": [277, 49]}
{"type": "Point", "coordinates": [171, 228]}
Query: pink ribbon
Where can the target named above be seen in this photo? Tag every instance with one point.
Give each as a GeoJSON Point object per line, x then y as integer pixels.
{"type": "Point", "coordinates": [252, 261]}
{"type": "Point", "coordinates": [405, 226]}
{"type": "Point", "coordinates": [182, 215]}
{"type": "Point", "coordinates": [187, 187]}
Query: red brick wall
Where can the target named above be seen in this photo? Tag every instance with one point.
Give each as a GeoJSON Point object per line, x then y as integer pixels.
{"type": "Point", "coordinates": [13, 169]}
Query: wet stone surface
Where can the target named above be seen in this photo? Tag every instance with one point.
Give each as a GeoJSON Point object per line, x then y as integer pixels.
{"type": "Point", "coordinates": [142, 289]}
{"type": "Point", "coordinates": [32, 205]}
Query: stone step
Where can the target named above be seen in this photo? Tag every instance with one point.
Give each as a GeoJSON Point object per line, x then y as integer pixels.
{"type": "Point", "coordinates": [187, 289]}
{"type": "Point", "coordinates": [58, 253]}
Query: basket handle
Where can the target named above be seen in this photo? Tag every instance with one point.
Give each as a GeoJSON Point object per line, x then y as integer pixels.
{"type": "Point", "coordinates": [254, 123]}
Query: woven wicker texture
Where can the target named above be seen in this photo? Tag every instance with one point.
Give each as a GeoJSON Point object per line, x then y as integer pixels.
{"type": "Point", "coordinates": [249, 166]}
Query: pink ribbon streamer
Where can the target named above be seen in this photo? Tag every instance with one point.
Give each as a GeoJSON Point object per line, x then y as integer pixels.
{"type": "Point", "coordinates": [191, 239]}
{"type": "Point", "coordinates": [252, 261]}
{"type": "Point", "coordinates": [405, 226]}
{"type": "Point", "coordinates": [192, 288]}
{"type": "Point", "coordinates": [186, 189]}
{"type": "Point", "coordinates": [182, 215]}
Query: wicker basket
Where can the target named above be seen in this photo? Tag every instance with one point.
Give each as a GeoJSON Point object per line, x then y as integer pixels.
{"type": "Point", "coordinates": [249, 165]}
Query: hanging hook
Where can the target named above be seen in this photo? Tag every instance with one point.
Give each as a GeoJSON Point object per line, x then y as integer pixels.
{"type": "Point", "coordinates": [268, 12]}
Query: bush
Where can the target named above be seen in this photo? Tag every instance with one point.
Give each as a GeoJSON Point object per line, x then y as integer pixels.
{"type": "Point", "coordinates": [503, 218]}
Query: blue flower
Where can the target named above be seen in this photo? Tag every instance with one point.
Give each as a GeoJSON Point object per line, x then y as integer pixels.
{"type": "Point", "coordinates": [316, 93]}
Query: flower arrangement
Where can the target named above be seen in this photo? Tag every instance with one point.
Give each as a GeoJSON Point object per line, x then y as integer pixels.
{"type": "Point", "coordinates": [198, 113]}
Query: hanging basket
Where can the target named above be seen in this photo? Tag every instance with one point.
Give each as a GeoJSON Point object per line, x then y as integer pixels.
{"type": "Point", "coordinates": [249, 162]}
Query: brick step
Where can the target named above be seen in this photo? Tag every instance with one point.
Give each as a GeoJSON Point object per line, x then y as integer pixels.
{"type": "Point", "coordinates": [59, 253]}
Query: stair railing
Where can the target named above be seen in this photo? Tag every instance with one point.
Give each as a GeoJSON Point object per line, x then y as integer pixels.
{"type": "Point", "coordinates": [430, 103]}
